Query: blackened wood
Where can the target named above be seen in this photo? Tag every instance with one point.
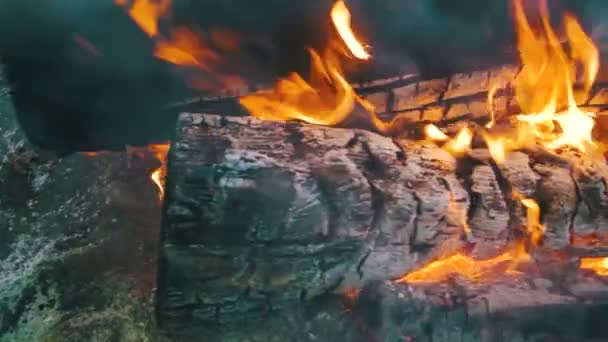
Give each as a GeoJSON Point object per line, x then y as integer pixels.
{"type": "Point", "coordinates": [261, 214]}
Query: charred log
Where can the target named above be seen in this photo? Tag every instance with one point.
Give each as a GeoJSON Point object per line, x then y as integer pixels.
{"type": "Point", "coordinates": [261, 215]}
{"type": "Point", "coordinates": [411, 102]}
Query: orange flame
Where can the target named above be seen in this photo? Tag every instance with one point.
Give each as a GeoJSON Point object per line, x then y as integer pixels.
{"type": "Point", "coordinates": [599, 265]}
{"type": "Point", "coordinates": [147, 13]}
{"type": "Point", "coordinates": [469, 268]}
{"type": "Point", "coordinates": [433, 133]}
{"type": "Point", "coordinates": [461, 143]}
{"type": "Point", "coordinates": [456, 146]}
{"type": "Point", "coordinates": [158, 175]}
{"type": "Point", "coordinates": [534, 228]}
{"type": "Point", "coordinates": [487, 270]}
{"type": "Point", "coordinates": [326, 98]}
{"type": "Point", "coordinates": [340, 16]}
{"type": "Point", "coordinates": [545, 88]}
{"type": "Point", "coordinates": [182, 46]}
{"type": "Point", "coordinates": [545, 84]}
{"type": "Point", "coordinates": [186, 48]}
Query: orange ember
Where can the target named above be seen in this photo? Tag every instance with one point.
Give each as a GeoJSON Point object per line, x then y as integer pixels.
{"type": "Point", "coordinates": [158, 175]}
{"type": "Point", "coordinates": [599, 265]}
{"type": "Point", "coordinates": [590, 240]}
{"type": "Point", "coordinates": [352, 294]}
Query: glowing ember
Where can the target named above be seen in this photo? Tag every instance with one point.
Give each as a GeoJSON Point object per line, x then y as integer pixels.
{"type": "Point", "coordinates": [90, 154]}
{"type": "Point", "coordinates": [158, 176]}
{"type": "Point", "coordinates": [456, 146]}
{"type": "Point", "coordinates": [352, 294]}
{"type": "Point", "coordinates": [340, 17]}
{"type": "Point", "coordinates": [599, 265]}
{"type": "Point", "coordinates": [589, 240]}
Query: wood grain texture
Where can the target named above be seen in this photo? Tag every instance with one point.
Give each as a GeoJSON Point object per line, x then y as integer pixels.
{"type": "Point", "coordinates": [260, 215]}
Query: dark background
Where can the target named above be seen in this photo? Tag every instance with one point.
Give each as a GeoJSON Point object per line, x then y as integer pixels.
{"type": "Point", "coordinates": [111, 91]}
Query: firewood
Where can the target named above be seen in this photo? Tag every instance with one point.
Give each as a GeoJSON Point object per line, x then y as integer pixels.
{"type": "Point", "coordinates": [446, 102]}
{"type": "Point", "coordinates": [262, 214]}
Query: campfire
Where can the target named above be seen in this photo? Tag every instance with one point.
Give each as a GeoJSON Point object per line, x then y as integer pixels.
{"type": "Point", "coordinates": [477, 183]}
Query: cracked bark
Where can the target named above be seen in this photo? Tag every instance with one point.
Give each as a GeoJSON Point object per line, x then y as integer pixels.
{"type": "Point", "coordinates": [256, 219]}
{"type": "Point", "coordinates": [263, 215]}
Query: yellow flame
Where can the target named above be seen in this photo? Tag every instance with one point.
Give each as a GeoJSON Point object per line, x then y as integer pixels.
{"type": "Point", "coordinates": [327, 99]}
{"type": "Point", "coordinates": [433, 133]}
{"type": "Point", "coordinates": [340, 17]}
{"type": "Point", "coordinates": [461, 143]}
{"type": "Point", "coordinates": [500, 144]}
{"type": "Point", "coordinates": [545, 83]}
{"type": "Point", "coordinates": [599, 265]}
{"type": "Point", "coordinates": [157, 176]}
{"type": "Point", "coordinates": [534, 228]}
{"type": "Point", "coordinates": [491, 94]}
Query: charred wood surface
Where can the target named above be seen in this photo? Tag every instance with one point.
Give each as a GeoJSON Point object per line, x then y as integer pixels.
{"type": "Point", "coordinates": [260, 215]}
{"type": "Point", "coordinates": [447, 102]}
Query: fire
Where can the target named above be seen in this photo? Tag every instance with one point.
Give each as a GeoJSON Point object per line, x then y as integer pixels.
{"type": "Point", "coordinates": [599, 265]}
{"type": "Point", "coordinates": [457, 146]}
{"type": "Point", "coordinates": [534, 228]}
{"type": "Point", "coordinates": [545, 91]}
{"type": "Point", "coordinates": [461, 143]}
{"type": "Point", "coordinates": [186, 48]}
{"type": "Point", "coordinates": [147, 13]}
{"type": "Point", "coordinates": [478, 271]}
{"type": "Point", "coordinates": [340, 17]}
{"type": "Point", "coordinates": [433, 133]}
{"type": "Point", "coordinates": [182, 46]}
{"type": "Point", "coordinates": [157, 176]}
{"type": "Point", "coordinates": [327, 98]}
{"type": "Point", "coordinates": [545, 86]}
{"type": "Point", "coordinates": [470, 269]}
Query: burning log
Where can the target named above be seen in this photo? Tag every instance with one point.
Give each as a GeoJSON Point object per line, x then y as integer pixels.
{"type": "Point", "coordinates": [262, 214]}
{"type": "Point", "coordinates": [265, 214]}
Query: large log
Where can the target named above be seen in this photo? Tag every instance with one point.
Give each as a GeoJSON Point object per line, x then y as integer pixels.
{"type": "Point", "coordinates": [260, 215]}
